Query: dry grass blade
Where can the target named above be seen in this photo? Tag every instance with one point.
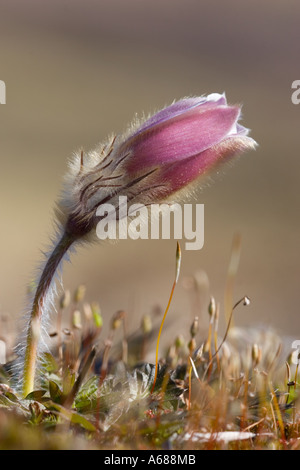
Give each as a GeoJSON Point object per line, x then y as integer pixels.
{"type": "Point", "coordinates": [177, 271]}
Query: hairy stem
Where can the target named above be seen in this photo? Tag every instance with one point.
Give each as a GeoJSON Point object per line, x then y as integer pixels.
{"type": "Point", "coordinates": [33, 330]}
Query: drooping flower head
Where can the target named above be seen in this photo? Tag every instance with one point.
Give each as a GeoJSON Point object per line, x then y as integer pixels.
{"type": "Point", "coordinates": [154, 160]}
{"type": "Point", "coordinates": [150, 164]}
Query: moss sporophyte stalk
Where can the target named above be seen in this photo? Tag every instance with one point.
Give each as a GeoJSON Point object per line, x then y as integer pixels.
{"type": "Point", "coordinates": [159, 160]}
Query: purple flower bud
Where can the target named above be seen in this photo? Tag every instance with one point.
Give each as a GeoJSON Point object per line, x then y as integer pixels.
{"type": "Point", "coordinates": [158, 158]}
{"type": "Point", "coordinates": [188, 129]}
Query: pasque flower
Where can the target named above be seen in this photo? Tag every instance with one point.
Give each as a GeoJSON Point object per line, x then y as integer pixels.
{"type": "Point", "coordinates": [161, 156]}
{"type": "Point", "coordinates": [153, 162]}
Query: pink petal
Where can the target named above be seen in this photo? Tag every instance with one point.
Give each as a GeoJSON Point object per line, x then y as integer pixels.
{"type": "Point", "coordinates": [180, 107]}
{"type": "Point", "coordinates": [180, 174]}
{"type": "Point", "coordinates": [182, 137]}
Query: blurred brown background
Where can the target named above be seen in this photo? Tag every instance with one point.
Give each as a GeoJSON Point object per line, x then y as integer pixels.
{"type": "Point", "coordinates": [76, 71]}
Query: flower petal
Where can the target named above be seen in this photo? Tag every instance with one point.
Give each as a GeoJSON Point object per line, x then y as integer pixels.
{"type": "Point", "coordinates": [179, 107]}
{"type": "Point", "coordinates": [178, 175]}
{"type": "Point", "coordinates": [184, 136]}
